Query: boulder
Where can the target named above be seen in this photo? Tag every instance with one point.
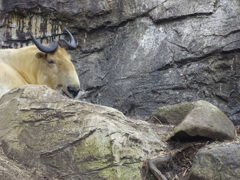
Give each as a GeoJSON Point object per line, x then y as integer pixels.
{"type": "Point", "coordinates": [204, 120]}
{"type": "Point", "coordinates": [195, 119]}
{"type": "Point", "coordinates": [171, 114]}
{"type": "Point", "coordinates": [46, 135]}
{"type": "Point", "coordinates": [217, 161]}
{"type": "Point", "coordinates": [70, 139]}
{"type": "Point", "coordinates": [196, 161]}
{"type": "Point", "coordinates": [11, 170]}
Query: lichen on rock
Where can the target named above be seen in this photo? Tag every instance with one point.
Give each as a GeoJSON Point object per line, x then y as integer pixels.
{"type": "Point", "coordinates": [70, 138]}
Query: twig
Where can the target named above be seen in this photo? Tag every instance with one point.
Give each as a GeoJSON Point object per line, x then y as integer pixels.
{"type": "Point", "coordinates": [158, 161]}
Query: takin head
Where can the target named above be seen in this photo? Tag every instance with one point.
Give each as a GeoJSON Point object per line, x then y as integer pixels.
{"type": "Point", "coordinates": [57, 70]}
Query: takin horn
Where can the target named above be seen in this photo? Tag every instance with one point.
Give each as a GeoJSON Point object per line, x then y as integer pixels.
{"type": "Point", "coordinates": [46, 49]}
{"type": "Point", "coordinates": [68, 45]}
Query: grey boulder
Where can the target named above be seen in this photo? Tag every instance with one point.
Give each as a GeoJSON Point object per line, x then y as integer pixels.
{"type": "Point", "coordinates": [219, 161]}
{"type": "Point", "coordinates": [71, 139]}
{"type": "Point", "coordinates": [196, 119]}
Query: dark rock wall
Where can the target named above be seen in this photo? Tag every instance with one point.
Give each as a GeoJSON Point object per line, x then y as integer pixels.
{"type": "Point", "coordinates": [139, 55]}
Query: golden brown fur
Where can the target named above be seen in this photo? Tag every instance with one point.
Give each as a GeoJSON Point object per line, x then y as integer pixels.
{"type": "Point", "coordinates": [28, 65]}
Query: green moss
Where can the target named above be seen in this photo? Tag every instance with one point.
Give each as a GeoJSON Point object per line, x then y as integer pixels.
{"type": "Point", "coordinates": [172, 114]}
{"type": "Point", "coordinates": [123, 172]}
{"type": "Point", "coordinates": [94, 152]}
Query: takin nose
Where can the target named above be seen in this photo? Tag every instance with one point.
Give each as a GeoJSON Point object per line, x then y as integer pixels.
{"type": "Point", "coordinates": [73, 90]}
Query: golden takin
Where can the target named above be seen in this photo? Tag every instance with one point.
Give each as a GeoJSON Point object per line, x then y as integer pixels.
{"type": "Point", "coordinates": [49, 65]}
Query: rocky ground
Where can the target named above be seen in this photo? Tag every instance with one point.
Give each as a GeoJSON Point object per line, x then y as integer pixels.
{"type": "Point", "coordinates": [45, 135]}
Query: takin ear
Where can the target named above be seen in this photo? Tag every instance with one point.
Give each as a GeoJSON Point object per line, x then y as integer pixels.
{"type": "Point", "coordinates": [40, 55]}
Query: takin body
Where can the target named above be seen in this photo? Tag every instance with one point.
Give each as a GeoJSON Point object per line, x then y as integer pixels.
{"type": "Point", "coordinates": [38, 64]}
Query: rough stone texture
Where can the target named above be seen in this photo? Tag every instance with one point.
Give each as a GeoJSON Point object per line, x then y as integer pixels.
{"type": "Point", "coordinates": [171, 114]}
{"type": "Point", "coordinates": [205, 120]}
{"type": "Point", "coordinates": [11, 170]}
{"type": "Point", "coordinates": [217, 162]}
{"type": "Point", "coordinates": [70, 139]}
{"type": "Point", "coordinates": [171, 9]}
{"type": "Point", "coordinates": [140, 55]}
{"type": "Point", "coordinates": [44, 135]}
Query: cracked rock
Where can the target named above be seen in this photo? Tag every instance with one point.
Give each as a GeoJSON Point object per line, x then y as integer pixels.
{"type": "Point", "coordinates": [66, 138]}
{"type": "Point", "coordinates": [180, 9]}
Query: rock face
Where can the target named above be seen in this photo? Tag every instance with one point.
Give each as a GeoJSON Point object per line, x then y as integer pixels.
{"type": "Point", "coordinates": [217, 162]}
{"type": "Point", "coordinates": [140, 55]}
{"type": "Point", "coordinates": [69, 139]}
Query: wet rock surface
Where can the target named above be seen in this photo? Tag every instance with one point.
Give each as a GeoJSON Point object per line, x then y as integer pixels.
{"type": "Point", "coordinates": [137, 56]}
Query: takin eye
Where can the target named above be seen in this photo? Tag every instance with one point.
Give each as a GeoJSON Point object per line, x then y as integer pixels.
{"type": "Point", "coordinates": [50, 61]}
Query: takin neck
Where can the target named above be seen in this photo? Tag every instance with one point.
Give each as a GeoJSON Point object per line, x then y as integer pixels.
{"type": "Point", "coordinates": [24, 61]}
